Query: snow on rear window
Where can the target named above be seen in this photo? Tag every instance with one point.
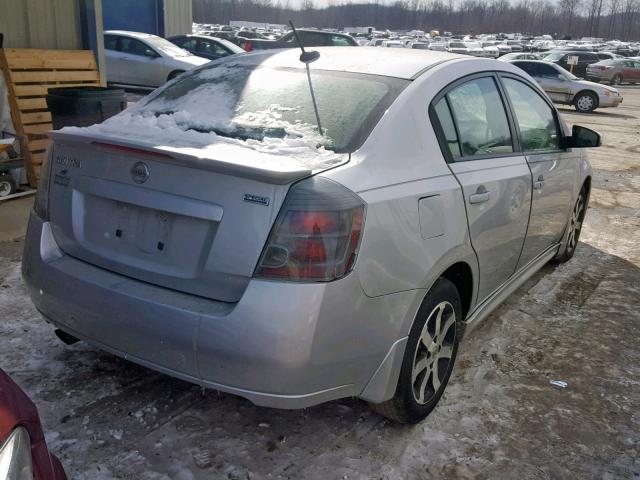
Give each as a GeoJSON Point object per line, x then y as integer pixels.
{"type": "Point", "coordinates": [266, 109]}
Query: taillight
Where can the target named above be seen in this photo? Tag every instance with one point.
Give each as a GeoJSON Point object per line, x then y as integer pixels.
{"type": "Point", "coordinates": [248, 46]}
{"type": "Point", "coordinates": [41, 202]}
{"type": "Point", "coordinates": [316, 235]}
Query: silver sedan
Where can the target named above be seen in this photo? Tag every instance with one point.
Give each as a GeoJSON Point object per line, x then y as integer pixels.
{"type": "Point", "coordinates": [144, 60]}
{"type": "Point", "coordinates": [296, 232]}
{"type": "Point", "coordinates": [565, 88]}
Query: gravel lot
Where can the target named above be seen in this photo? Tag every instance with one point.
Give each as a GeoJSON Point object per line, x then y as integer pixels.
{"type": "Point", "coordinates": [500, 417]}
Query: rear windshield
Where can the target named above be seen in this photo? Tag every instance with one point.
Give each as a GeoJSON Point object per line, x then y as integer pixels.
{"type": "Point", "coordinates": [256, 103]}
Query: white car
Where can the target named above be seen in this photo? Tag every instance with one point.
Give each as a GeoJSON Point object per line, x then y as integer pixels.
{"type": "Point", "coordinates": [563, 87]}
{"type": "Point", "coordinates": [144, 60]}
{"type": "Point", "coordinates": [490, 50]}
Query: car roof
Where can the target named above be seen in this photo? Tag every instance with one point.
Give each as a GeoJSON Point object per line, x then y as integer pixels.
{"type": "Point", "coordinates": [126, 33]}
{"type": "Point", "coordinates": [399, 63]}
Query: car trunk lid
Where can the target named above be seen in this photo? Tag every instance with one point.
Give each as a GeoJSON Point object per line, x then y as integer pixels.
{"type": "Point", "coordinates": [169, 217]}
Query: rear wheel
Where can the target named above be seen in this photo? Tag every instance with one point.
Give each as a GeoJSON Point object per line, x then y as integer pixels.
{"type": "Point", "coordinates": [7, 185]}
{"type": "Point", "coordinates": [616, 79]}
{"type": "Point", "coordinates": [585, 102]}
{"type": "Point", "coordinates": [428, 358]}
{"type": "Point", "coordinates": [575, 227]}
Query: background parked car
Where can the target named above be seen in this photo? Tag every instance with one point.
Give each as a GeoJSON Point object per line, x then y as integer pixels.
{"type": "Point", "coordinates": [564, 87]}
{"type": "Point", "coordinates": [519, 56]}
{"type": "Point", "coordinates": [206, 47]}
{"type": "Point", "coordinates": [562, 57]}
{"type": "Point", "coordinates": [608, 55]}
{"type": "Point", "coordinates": [308, 38]}
{"type": "Point", "coordinates": [23, 449]}
{"type": "Point", "coordinates": [615, 71]}
{"type": "Point", "coordinates": [144, 60]}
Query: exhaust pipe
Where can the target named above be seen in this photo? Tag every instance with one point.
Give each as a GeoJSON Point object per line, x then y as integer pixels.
{"type": "Point", "coordinates": [65, 337]}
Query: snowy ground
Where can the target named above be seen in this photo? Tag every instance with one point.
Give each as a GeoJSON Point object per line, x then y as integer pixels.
{"type": "Point", "coordinates": [500, 417]}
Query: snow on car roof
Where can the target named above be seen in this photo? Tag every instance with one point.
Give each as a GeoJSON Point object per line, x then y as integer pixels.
{"type": "Point", "coordinates": [130, 34]}
{"type": "Point", "coordinates": [400, 63]}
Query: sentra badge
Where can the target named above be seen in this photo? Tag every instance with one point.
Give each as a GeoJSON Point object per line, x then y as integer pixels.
{"type": "Point", "coordinates": [66, 161]}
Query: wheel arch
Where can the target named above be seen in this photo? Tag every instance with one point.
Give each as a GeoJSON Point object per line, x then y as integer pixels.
{"type": "Point", "coordinates": [461, 275]}
{"type": "Point", "coordinates": [592, 92]}
{"type": "Point", "coordinates": [174, 73]}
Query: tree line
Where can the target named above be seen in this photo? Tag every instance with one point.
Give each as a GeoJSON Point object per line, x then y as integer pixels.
{"type": "Point", "coordinates": [569, 19]}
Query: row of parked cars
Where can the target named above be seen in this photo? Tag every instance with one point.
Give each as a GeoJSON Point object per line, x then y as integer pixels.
{"type": "Point", "coordinates": [144, 60]}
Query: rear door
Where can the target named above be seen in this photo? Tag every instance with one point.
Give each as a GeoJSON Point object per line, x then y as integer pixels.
{"type": "Point", "coordinates": [495, 178]}
{"type": "Point", "coordinates": [140, 64]}
{"type": "Point", "coordinates": [554, 171]}
{"type": "Point", "coordinates": [553, 83]}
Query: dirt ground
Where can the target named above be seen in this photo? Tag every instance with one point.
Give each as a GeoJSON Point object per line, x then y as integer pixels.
{"type": "Point", "coordinates": [499, 418]}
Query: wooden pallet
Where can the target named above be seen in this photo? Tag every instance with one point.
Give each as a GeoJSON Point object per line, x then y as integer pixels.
{"type": "Point", "coordinates": [29, 73]}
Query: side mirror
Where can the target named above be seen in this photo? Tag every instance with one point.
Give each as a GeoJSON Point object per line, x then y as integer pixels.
{"type": "Point", "coordinates": [583, 137]}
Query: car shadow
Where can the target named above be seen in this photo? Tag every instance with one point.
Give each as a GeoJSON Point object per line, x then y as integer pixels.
{"type": "Point", "coordinates": [597, 112]}
{"type": "Point", "coordinates": [108, 406]}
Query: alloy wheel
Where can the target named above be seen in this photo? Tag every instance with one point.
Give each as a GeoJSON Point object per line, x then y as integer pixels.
{"type": "Point", "coordinates": [433, 356]}
{"type": "Point", "coordinates": [575, 224]}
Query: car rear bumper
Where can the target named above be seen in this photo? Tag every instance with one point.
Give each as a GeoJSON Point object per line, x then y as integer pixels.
{"type": "Point", "coordinates": [285, 345]}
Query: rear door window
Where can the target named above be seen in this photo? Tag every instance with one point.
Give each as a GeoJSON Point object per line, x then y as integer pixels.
{"type": "Point", "coordinates": [480, 118]}
{"type": "Point", "coordinates": [547, 71]}
{"type": "Point", "coordinates": [338, 41]}
{"type": "Point", "coordinates": [528, 67]}
{"type": "Point", "coordinates": [212, 48]}
{"type": "Point", "coordinates": [539, 130]}
{"type": "Point", "coordinates": [111, 42]}
{"type": "Point", "coordinates": [136, 47]}
{"type": "Point", "coordinates": [189, 44]}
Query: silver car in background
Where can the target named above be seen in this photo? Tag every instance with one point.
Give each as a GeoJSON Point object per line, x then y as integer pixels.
{"type": "Point", "coordinates": [565, 88]}
{"type": "Point", "coordinates": [617, 71]}
{"type": "Point", "coordinates": [226, 232]}
{"type": "Point", "coordinates": [144, 60]}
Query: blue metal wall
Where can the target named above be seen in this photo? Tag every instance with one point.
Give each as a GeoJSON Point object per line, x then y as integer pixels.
{"type": "Point", "coordinates": [134, 15]}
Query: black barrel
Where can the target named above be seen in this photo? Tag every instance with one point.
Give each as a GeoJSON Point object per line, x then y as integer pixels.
{"type": "Point", "coordinates": [84, 106]}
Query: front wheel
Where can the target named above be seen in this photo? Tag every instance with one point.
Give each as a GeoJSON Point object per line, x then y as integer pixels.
{"type": "Point", "coordinates": [428, 358]}
{"type": "Point", "coordinates": [585, 102]}
{"type": "Point", "coordinates": [617, 79]}
{"type": "Point", "coordinates": [574, 227]}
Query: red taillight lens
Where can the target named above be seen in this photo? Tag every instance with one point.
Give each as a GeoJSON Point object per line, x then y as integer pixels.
{"type": "Point", "coordinates": [317, 234]}
{"type": "Point", "coordinates": [248, 46]}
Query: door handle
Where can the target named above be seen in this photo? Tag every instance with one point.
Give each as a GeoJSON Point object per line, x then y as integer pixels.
{"type": "Point", "coordinates": [539, 184]}
{"type": "Point", "coordinates": [479, 196]}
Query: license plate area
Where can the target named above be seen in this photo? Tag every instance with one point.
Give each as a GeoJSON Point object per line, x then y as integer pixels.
{"type": "Point", "coordinates": [137, 240]}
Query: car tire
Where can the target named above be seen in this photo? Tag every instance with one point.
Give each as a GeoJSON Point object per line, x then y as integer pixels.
{"type": "Point", "coordinates": [7, 185]}
{"type": "Point", "coordinates": [174, 74]}
{"type": "Point", "coordinates": [574, 227]}
{"type": "Point", "coordinates": [585, 102]}
{"type": "Point", "coordinates": [616, 79]}
{"type": "Point", "coordinates": [436, 329]}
